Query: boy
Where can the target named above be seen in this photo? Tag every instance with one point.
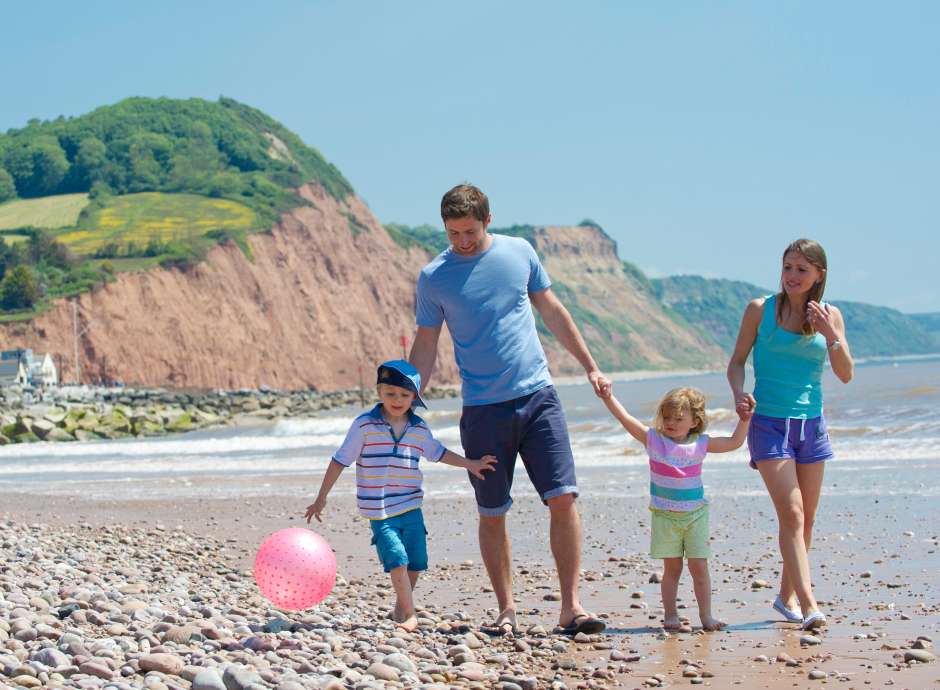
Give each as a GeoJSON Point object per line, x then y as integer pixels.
{"type": "Point", "coordinates": [386, 443]}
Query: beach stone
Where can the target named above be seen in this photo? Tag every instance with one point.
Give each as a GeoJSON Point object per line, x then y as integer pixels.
{"type": "Point", "coordinates": [51, 657]}
{"type": "Point", "coordinates": [96, 668]}
{"type": "Point", "coordinates": [180, 634]}
{"type": "Point", "coordinates": [816, 674]}
{"type": "Point", "coordinates": [237, 677]}
{"type": "Point", "coordinates": [328, 683]}
{"type": "Point", "coordinates": [921, 656]}
{"type": "Point", "coordinates": [400, 662]}
{"type": "Point", "coordinates": [809, 640]}
{"type": "Point", "coordinates": [760, 584]}
{"type": "Point", "coordinates": [380, 671]}
{"type": "Point", "coordinates": [27, 681]}
{"type": "Point", "coordinates": [208, 679]}
{"type": "Point", "coordinates": [867, 574]}
{"type": "Point", "coordinates": [276, 625]}
{"type": "Point", "coordinates": [162, 662]}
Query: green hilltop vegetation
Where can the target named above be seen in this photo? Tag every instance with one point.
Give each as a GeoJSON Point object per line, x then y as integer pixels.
{"type": "Point", "coordinates": [714, 306]}
{"type": "Point", "coordinates": [140, 182]}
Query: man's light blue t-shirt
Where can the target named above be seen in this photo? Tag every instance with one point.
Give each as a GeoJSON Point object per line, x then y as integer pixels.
{"type": "Point", "coordinates": [485, 301]}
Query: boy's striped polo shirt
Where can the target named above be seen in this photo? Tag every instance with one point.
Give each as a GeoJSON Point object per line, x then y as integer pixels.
{"type": "Point", "coordinates": [388, 480]}
{"type": "Point", "coordinates": [676, 472]}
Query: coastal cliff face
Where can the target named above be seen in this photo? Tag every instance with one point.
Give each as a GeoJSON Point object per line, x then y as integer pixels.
{"type": "Point", "coordinates": [326, 294]}
{"type": "Point", "coordinates": [624, 324]}
{"type": "Point", "coordinates": [324, 297]}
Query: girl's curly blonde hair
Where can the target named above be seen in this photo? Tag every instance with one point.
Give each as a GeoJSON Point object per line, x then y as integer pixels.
{"type": "Point", "coordinates": [691, 399]}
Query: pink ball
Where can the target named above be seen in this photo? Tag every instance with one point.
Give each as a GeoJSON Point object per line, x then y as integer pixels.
{"type": "Point", "coordinates": [295, 568]}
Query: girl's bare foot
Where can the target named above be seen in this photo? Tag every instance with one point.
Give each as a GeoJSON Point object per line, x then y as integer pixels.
{"type": "Point", "coordinates": [410, 624]}
{"type": "Point", "coordinates": [672, 623]}
{"type": "Point", "coordinates": [710, 623]}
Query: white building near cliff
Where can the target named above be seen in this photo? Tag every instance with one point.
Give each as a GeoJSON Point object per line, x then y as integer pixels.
{"type": "Point", "coordinates": [13, 373]}
{"type": "Point", "coordinates": [22, 367]}
{"type": "Point", "coordinates": [43, 372]}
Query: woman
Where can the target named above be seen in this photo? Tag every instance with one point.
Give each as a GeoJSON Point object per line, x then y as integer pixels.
{"type": "Point", "coordinates": [791, 334]}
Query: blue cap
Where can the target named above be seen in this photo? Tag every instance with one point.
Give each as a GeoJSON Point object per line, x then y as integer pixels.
{"type": "Point", "coordinates": [398, 372]}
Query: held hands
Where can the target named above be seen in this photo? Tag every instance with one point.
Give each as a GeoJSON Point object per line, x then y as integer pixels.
{"type": "Point", "coordinates": [821, 319]}
{"type": "Point", "coordinates": [478, 467]}
{"type": "Point", "coordinates": [600, 383]}
{"type": "Point", "coordinates": [744, 405]}
{"type": "Point", "coordinates": [314, 509]}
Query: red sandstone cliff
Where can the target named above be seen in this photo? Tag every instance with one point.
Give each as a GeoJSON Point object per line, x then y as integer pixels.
{"type": "Point", "coordinates": [327, 294]}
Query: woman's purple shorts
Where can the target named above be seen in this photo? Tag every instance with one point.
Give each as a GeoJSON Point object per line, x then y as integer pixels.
{"type": "Point", "coordinates": [803, 440]}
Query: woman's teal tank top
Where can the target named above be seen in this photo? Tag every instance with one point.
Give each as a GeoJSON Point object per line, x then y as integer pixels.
{"type": "Point", "coordinates": [788, 369]}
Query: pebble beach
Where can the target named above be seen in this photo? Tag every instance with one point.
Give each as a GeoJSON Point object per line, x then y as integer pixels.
{"type": "Point", "coordinates": [136, 594]}
{"type": "Point", "coordinates": [126, 565]}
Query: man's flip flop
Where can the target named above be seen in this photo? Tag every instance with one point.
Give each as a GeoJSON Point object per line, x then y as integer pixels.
{"type": "Point", "coordinates": [583, 623]}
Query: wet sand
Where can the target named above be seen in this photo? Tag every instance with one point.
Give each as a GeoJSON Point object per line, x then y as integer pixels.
{"type": "Point", "coordinates": [876, 566]}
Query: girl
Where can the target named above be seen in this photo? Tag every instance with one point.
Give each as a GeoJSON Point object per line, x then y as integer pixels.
{"type": "Point", "coordinates": [677, 446]}
{"type": "Point", "coordinates": [791, 334]}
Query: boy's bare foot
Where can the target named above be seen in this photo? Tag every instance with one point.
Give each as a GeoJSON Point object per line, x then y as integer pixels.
{"type": "Point", "coordinates": [672, 623]}
{"type": "Point", "coordinates": [410, 624]}
{"type": "Point", "coordinates": [710, 623]}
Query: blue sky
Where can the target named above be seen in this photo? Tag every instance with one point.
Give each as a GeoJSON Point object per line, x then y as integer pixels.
{"type": "Point", "coordinates": [702, 136]}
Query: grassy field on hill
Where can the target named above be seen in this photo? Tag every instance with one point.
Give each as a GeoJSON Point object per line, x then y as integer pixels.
{"type": "Point", "coordinates": [147, 216]}
{"type": "Point", "coordinates": [47, 212]}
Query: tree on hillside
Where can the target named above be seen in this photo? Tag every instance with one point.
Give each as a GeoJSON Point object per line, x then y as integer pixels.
{"type": "Point", "coordinates": [18, 289]}
{"type": "Point", "coordinates": [38, 167]}
{"type": "Point", "coordinates": [7, 186]}
{"type": "Point", "coordinates": [9, 257]}
{"type": "Point", "coordinates": [91, 159]}
{"type": "Point", "coordinates": [41, 248]}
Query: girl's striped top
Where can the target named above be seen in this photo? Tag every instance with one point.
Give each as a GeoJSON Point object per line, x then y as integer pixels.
{"type": "Point", "coordinates": [388, 481]}
{"type": "Point", "coordinates": [676, 472]}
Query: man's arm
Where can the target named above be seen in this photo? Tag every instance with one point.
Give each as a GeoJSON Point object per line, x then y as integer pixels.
{"type": "Point", "coordinates": [424, 352]}
{"type": "Point", "coordinates": [560, 323]}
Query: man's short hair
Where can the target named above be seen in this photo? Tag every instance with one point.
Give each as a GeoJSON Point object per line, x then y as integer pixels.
{"type": "Point", "coordinates": [465, 200]}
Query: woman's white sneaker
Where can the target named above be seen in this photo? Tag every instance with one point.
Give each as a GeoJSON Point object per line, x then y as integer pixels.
{"type": "Point", "coordinates": [792, 615]}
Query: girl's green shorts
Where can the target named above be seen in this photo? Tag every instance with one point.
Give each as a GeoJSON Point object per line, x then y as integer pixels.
{"type": "Point", "coordinates": [677, 535]}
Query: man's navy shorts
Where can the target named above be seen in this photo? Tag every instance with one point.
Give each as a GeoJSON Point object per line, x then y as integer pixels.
{"type": "Point", "coordinates": [532, 426]}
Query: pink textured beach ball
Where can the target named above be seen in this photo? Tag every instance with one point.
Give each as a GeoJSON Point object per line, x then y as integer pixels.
{"type": "Point", "coordinates": [295, 568]}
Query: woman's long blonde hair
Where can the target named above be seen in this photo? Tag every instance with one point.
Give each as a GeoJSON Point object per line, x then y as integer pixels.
{"type": "Point", "coordinates": [813, 252]}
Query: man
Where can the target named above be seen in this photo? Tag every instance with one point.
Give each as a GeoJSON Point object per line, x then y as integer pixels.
{"type": "Point", "coordinates": [483, 286]}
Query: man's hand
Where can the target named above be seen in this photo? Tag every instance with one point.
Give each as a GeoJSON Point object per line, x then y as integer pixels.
{"type": "Point", "coordinates": [601, 383]}
{"type": "Point", "coordinates": [314, 509]}
{"type": "Point", "coordinates": [478, 467]}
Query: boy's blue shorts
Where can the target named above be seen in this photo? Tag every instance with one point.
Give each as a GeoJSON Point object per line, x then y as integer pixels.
{"type": "Point", "coordinates": [401, 540]}
{"type": "Point", "coordinates": [532, 426]}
